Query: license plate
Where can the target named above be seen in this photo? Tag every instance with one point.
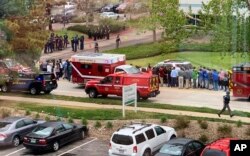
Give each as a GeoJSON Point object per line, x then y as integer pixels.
{"type": "Point", "coordinates": [32, 140]}
{"type": "Point", "coordinates": [121, 151]}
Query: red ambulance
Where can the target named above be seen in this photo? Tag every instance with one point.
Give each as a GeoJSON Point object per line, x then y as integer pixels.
{"type": "Point", "coordinates": [241, 80]}
{"type": "Point", "coordinates": [87, 66]}
{"type": "Point", "coordinates": [147, 85]}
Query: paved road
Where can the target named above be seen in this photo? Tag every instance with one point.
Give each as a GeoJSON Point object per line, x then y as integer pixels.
{"type": "Point", "coordinates": [86, 147]}
{"type": "Point", "coordinates": [184, 97]}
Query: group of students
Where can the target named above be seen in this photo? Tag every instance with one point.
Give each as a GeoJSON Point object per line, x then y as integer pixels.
{"type": "Point", "coordinates": [56, 43]}
{"type": "Point", "coordinates": [183, 77]}
{"type": "Point", "coordinates": [61, 69]}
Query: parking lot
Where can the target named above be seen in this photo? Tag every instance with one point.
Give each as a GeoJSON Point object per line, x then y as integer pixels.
{"type": "Point", "coordinates": [86, 147]}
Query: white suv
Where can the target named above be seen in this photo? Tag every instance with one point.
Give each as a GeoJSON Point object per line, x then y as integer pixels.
{"type": "Point", "coordinates": [138, 139]}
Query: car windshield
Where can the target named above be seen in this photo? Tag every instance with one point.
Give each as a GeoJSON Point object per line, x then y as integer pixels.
{"type": "Point", "coordinates": [47, 77]}
{"type": "Point", "coordinates": [213, 152]}
{"type": "Point", "coordinates": [4, 126]}
{"type": "Point", "coordinates": [132, 70]}
{"type": "Point", "coordinates": [43, 131]}
{"type": "Point", "coordinates": [122, 139]}
{"type": "Point", "coordinates": [173, 150]}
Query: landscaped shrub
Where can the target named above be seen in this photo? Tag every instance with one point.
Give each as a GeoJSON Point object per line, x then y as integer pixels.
{"type": "Point", "coordinates": [225, 131]}
{"type": "Point", "coordinates": [84, 121]}
{"type": "Point", "coordinates": [27, 112]}
{"type": "Point", "coordinates": [181, 122]}
{"type": "Point", "coordinates": [203, 138]}
{"type": "Point", "coordinates": [58, 119]}
{"type": "Point", "coordinates": [98, 124]}
{"type": "Point", "coordinates": [239, 123]}
{"type": "Point", "coordinates": [70, 120]}
{"type": "Point", "coordinates": [163, 119]}
{"type": "Point", "coordinates": [203, 124]}
{"type": "Point", "coordinates": [248, 131]}
{"type": "Point", "coordinates": [109, 125]}
{"type": "Point", "coordinates": [37, 116]}
{"type": "Point", "coordinates": [4, 113]}
{"type": "Point", "coordinates": [47, 118]}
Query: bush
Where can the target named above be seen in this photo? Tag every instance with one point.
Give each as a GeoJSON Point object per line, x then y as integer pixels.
{"type": "Point", "coordinates": [203, 138]}
{"type": "Point", "coordinates": [225, 131]}
{"type": "Point", "coordinates": [239, 123]}
{"type": "Point", "coordinates": [84, 121]}
{"type": "Point", "coordinates": [248, 131]}
{"type": "Point", "coordinates": [4, 113]}
{"type": "Point", "coordinates": [47, 118]}
{"type": "Point", "coordinates": [163, 119]}
{"type": "Point", "coordinates": [78, 20]}
{"type": "Point", "coordinates": [37, 116]}
{"type": "Point", "coordinates": [98, 124]}
{"type": "Point", "coordinates": [181, 122]}
{"type": "Point", "coordinates": [203, 124]}
{"type": "Point", "coordinates": [58, 119]}
{"type": "Point", "coordinates": [27, 112]}
{"type": "Point", "coordinates": [70, 120]}
{"type": "Point", "coordinates": [109, 125]}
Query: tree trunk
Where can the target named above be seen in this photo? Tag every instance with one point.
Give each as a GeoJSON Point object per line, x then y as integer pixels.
{"type": "Point", "coordinates": [248, 4]}
{"type": "Point", "coordinates": [154, 35]}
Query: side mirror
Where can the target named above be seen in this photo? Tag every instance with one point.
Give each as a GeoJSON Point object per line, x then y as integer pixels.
{"type": "Point", "coordinates": [34, 122]}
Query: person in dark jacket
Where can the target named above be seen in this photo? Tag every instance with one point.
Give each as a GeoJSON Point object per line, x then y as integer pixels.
{"type": "Point", "coordinates": [226, 101]}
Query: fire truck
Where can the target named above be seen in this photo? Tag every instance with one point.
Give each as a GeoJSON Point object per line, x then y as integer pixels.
{"type": "Point", "coordinates": [147, 85]}
{"type": "Point", "coordinates": [87, 66]}
{"type": "Point", "coordinates": [240, 78]}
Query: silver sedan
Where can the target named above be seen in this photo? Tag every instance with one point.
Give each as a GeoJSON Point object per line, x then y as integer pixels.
{"type": "Point", "coordinates": [13, 129]}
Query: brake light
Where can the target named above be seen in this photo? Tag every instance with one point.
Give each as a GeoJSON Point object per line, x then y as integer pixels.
{"type": "Point", "coordinates": [25, 139]}
{"type": "Point", "coordinates": [44, 83]}
{"type": "Point", "coordinates": [135, 149]}
{"type": "Point", "coordinates": [2, 137]}
{"type": "Point", "coordinates": [42, 141]}
{"type": "Point", "coordinates": [110, 146]}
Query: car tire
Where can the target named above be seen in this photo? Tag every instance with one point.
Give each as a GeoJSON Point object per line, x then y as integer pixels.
{"type": "Point", "coordinates": [104, 95]}
{"type": "Point", "coordinates": [34, 91]}
{"type": "Point", "coordinates": [93, 93]}
{"type": "Point", "coordinates": [82, 135]}
{"type": "Point", "coordinates": [55, 146]}
{"type": "Point", "coordinates": [16, 141]}
{"type": "Point", "coordinates": [138, 96]}
{"type": "Point", "coordinates": [47, 92]}
{"type": "Point", "coordinates": [5, 88]}
{"type": "Point", "coordinates": [172, 137]}
{"type": "Point", "coordinates": [147, 153]}
{"type": "Point", "coordinates": [144, 98]}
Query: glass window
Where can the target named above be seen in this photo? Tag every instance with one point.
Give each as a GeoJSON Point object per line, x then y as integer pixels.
{"type": "Point", "coordinates": [213, 152]}
{"type": "Point", "coordinates": [159, 130]}
{"type": "Point", "coordinates": [197, 145]}
{"type": "Point", "coordinates": [20, 124]}
{"type": "Point", "coordinates": [150, 134]}
{"type": "Point", "coordinates": [108, 79]}
{"type": "Point", "coordinates": [4, 126]}
{"type": "Point", "coordinates": [189, 150]}
{"type": "Point", "coordinates": [60, 129]}
{"type": "Point", "coordinates": [67, 126]}
{"type": "Point", "coordinates": [173, 150]}
{"type": "Point", "coordinates": [122, 139]}
{"type": "Point", "coordinates": [28, 121]}
{"type": "Point", "coordinates": [86, 66]}
{"type": "Point", "coordinates": [140, 138]}
{"type": "Point", "coordinates": [43, 131]}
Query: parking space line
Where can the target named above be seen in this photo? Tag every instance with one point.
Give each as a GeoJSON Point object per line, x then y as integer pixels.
{"type": "Point", "coordinates": [15, 152]}
{"type": "Point", "coordinates": [78, 146]}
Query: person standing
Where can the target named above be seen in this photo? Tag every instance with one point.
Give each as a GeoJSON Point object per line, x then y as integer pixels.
{"type": "Point", "coordinates": [226, 101]}
{"type": "Point", "coordinates": [96, 47]}
{"type": "Point", "coordinates": [194, 78]}
{"type": "Point", "coordinates": [118, 41]}
{"type": "Point", "coordinates": [76, 43]}
{"type": "Point", "coordinates": [65, 40]}
{"type": "Point", "coordinates": [72, 43]}
{"type": "Point", "coordinates": [82, 42]}
{"type": "Point", "coordinates": [57, 71]}
{"type": "Point", "coordinates": [181, 78]}
{"type": "Point", "coordinates": [161, 75]}
{"type": "Point", "coordinates": [215, 80]}
{"type": "Point", "coordinates": [174, 75]}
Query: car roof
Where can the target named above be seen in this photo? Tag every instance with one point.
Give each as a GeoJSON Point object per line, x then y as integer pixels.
{"type": "Point", "coordinates": [12, 119]}
{"type": "Point", "coordinates": [221, 144]}
{"type": "Point", "coordinates": [133, 129]}
{"type": "Point", "coordinates": [181, 141]}
{"type": "Point", "coordinates": [52, 123]}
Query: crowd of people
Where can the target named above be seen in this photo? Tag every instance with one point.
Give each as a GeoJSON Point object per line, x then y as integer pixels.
{"type": "Point", "coordinates": [101, 32]}
{"type": "Point", "coordinates": [61, 69]}
{"type": "Point", "coordinates": [182, 77]}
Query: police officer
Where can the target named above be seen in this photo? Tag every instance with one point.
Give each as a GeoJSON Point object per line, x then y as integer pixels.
{"type": "Point", "coordinates": [226, 100]}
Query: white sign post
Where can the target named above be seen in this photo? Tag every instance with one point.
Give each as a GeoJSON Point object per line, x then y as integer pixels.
{"type": "Point", "coordinates": [129, 96]}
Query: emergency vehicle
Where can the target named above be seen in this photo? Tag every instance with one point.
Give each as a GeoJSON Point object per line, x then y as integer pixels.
{"type": "Point", "coordinates": [241, 80]}
{"type": "Point", "coordinates": [147, 85]}
{"type": "Point", "coordinates": [87, 66]}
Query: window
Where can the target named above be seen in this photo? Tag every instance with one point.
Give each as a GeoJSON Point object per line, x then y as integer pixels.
{"type": "Point", "coordinates": [43, 131]}
{"type": "Point", "coordinates": [213, 152]}
{"type": "Point", "coordinates": [108, 79]}
{"type": "Point", "coordinates": [159, 130]}
{"type": "Point", "coordinates": [28, 122]}
{"type": "Point", "coordinates": [190, 151]}
{"type": "Point", "coordinates": [118, 70]}
{"type": "Point", "coordinates": [150, 134]}
{"type": "Point", "coordinates": [60, 129]}
{"type": "Point", "coordinates": [197, 145]}
{"type": "Point", "coordinates": [122, 139]}
{"type": "Point", "coordinates": [86, 66]}
{"type": "Point", "coordinates": [67, 126]}
{"type": "Point", "coordinates": [140, 138]}
{"type": "Point", "coordinates": [4, 126]}
{"type": "Point", "coordinates": [20, 124]}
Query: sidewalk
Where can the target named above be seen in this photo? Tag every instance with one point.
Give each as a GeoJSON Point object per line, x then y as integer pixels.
{"type": "Point", "coordinates": [128, 37]}
{"type": "Point", "coordinates": [58, 103]}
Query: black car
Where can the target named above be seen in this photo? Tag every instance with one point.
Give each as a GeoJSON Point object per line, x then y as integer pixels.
{"type": "Point", "coordinates": [53, 135]}
{"type": "Point", "coordinates": [181, 147]}
{"type": "Point", "coordinates": [31, 82]}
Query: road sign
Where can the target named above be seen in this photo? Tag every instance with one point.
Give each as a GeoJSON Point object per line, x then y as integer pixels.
{"type": "Point", "coordinates": [129, 96]}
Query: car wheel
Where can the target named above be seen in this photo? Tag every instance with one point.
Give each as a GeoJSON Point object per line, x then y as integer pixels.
{"type": "Point", "coordinates": [33, 91]}
{"type": "Point", "coordinates": [5, 88]}
{"type": "Point", "coordinates": [172, 137]}
{"type": "Point", "coordinates": [47, 92]}
{"type": "Point", "coordinates": [147, 153]}
{"type": "Point", "coordinates": [82, 135]}
{"type": "Point", "coordinates": [55, 146]}
{"type": "Point", "coordinates": [104, 95]}
{"type": "Point", "coordinates": [144, 98]}
{"type": "Point", "coordinates": [16, 141]}
{"type": "Point", "coordinates": [92, 93]}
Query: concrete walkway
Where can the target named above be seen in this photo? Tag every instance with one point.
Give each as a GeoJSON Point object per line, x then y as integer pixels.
{"type": "Point", "coordinates": [58, 103]}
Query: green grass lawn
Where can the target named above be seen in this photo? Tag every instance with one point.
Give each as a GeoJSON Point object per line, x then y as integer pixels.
{"type": "Point", "coordinates": [207, 59]}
